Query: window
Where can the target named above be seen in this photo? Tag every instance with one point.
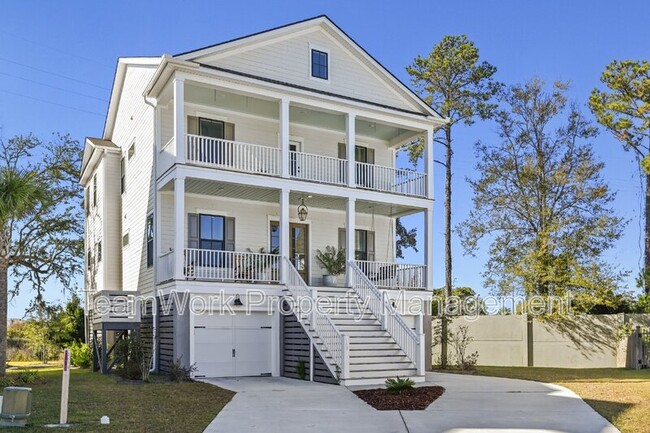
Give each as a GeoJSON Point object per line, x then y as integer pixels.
{"type": "Point", "coordinates": [150, 241]}
{"type": "Point", "coordinates": [364, 244]}
{"type": "Point", "coordinates": [211, 232]}
{"type": "Point", "coordinates": [211, 128]}
{"type": "Point", "coordinates": [125, 239]}
{"type": "Point", "coordinates": [95, 190]}
{"type": "Point", "coordinates": [86, 200]}
{"type": "Point", "coordinates": [131, 150]}
{"type": "Point", "coordinates": [123, 175]}
{"type": "Point", "coordinates": [275, 236]}
{"type": "Point", "coordinates": [319, 64]}
{"type": "Point", "coordinates": [89, 261]}
{"type": "Point", "coordinates": [98, 247]}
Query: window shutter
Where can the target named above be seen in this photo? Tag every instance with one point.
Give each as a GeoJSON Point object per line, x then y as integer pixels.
{"type": "Point", "coordinates": [370, 154]}
{"type": "Point", "coordinates": [370, 239]}
{"type": "Point", "coordinates": [341, 238]}
{"type": "Point", "coordinates": [342, 154]}
{"type": "Point", "coordinates": [193, 125]}
{"type": "Point", "coordinates": [192, 230]}
{"type": "Point", "coordinates": [229, 131]}
{"type": "Point", "coordinates": [230, 234]}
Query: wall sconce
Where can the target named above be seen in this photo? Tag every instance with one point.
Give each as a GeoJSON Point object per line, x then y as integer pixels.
{"type": "Point", "coordinates": [237, 302]}
{"type": "Point", "coordinates": [303, 210]}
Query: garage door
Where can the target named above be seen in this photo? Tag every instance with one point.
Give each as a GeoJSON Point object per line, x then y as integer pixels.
{"type": "Point", "coordinates": [238, 345]}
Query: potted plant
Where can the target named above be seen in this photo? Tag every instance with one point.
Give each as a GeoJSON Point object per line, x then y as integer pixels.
{"type": "Point", "coordinates": [261, 268]}
{"type": "Point", "coordinates": [333, 262]}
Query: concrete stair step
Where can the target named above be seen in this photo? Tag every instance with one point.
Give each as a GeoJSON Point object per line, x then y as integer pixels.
{"type": "Point", "coordinates": [356, 339]}
{"type": "Point", "coordinates": [385, 374]}
{"type": "Point", "coordinates": [360, 327]}
{"type": "Point", "coordinates": [373, 345]}
{"type": "Point", "coordinates": [378, 359]}
{"type": "Point", "coordinates": [366, 381]}
{"type": "Point", "coordinates": [355, 352]}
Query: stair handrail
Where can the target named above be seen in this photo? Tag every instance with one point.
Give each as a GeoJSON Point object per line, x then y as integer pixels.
{"type": "Point", "coordinates": [336, 343]}
{"type": "Point", "coordinates": [391, 320]}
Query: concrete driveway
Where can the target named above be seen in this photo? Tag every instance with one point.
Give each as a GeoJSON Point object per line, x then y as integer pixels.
{"type": "Point", "coordinates": [471, 404]}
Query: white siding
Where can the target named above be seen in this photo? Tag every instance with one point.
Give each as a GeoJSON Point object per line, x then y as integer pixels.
{"type": "Point", "coordinates": [252, 225]}
{"type": "Point", "coordinates": [112, 257]}
{"type": "Point", "coordinates": [135, 124]}
{"type": "Point", "coordinates": [289, 60]}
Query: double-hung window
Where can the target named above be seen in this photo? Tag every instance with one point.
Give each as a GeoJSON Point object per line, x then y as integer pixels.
{"type": "Point", "coordinates": [211, 232]}
{"type": "Point", "coordinates": [319, 64]}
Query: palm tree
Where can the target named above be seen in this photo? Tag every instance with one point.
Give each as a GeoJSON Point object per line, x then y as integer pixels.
{"type": "Point", "coordinates": [19, 194]}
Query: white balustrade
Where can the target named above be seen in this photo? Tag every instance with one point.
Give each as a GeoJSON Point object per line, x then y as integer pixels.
{"type": "Point", "coordinates": [394, 275]}
{"type": "Point", "coordinates": [388, 179]}
{"type": "Point", "coordinates": [318, 168]}
{"type": "Point", "coordinates": [248, 267]}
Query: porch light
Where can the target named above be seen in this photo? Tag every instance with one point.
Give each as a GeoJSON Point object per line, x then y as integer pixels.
{"type": "Point", "coordinates": [303, 211]}
{"type": "Point", "coordinates": [237, 302]}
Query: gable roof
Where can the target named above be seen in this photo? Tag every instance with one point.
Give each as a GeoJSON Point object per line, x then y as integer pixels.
{"type": "Point", "coordinates": [91, 155]}
{"type": "Point", "coordinates": [321, 20]}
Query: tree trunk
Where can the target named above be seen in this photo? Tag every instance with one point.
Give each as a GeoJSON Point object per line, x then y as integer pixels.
{"type": "Point", "coordinates": [646, 252]}
{"type": "Point", "coordinates": [4, 268]}
{"type": "Point", "coordinates": [444, 347]}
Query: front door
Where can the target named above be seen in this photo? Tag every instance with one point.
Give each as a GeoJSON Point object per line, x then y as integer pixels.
{"type": "Point", "coordinates": [294, 159]}
{"type": "Point", "coordinates": [298, 246]}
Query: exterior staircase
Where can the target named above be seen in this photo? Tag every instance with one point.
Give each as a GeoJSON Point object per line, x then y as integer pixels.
{"type": "Point", "coordinates": [374, 355]}
{"type": "Point", "coordinates": [355, 332]}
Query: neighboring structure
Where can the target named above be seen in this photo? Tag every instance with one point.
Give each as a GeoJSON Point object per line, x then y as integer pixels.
{"type": "Point", "coordinates": [223, 170]}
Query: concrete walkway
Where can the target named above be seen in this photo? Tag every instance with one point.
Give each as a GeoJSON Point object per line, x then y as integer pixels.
{"type": "Point", "coordinates": [471, 404]}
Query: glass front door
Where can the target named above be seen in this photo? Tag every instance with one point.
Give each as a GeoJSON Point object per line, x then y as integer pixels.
{"type": "Point", "coordinates": [298, 246]}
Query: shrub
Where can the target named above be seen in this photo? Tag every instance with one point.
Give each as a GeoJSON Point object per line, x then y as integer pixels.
{"type": "Point", "coordinates": [135, 359]}
{"type": "Point", "coordinates": [27, 376]}
{"type": "Point", "coordinates": [301, 370]}
{"type": "Point", "coordinates": [81, 355]}
{"type": "Point", "coordinates": [179, 372]}
{"type": "Point", "coordinates": [398, 386]}
{"type": "Point", "coordinates": [7, 381]}
{"type": "Point", "coordinates": [19, 354]}
{"type": "Point", "coordinates": [460, 340]}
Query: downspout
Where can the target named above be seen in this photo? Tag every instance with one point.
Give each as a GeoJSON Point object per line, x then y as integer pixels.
{"type": "Point", "coordinates": [154, 306]}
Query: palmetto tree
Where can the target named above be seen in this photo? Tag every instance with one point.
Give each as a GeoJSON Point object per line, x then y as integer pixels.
{"type": "Point", "coordinates": [20, 191]}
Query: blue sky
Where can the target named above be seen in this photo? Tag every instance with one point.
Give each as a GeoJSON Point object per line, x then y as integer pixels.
{"type": "Point", "coordinates": [74, 45]}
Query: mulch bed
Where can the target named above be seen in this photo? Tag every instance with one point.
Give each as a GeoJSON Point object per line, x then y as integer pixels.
{"type": "Point", "coordinates": [411, 399]}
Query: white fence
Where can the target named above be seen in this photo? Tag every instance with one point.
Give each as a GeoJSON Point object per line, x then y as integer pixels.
{"type": "Point", "coordinates": [388, 179]}
{"type": "Point", "coordinates": [238, 266]}
{"type": "Point", "coordinates": [394, 275]}
{"type": "Point", "coordinates": [318, 168]}
{"type": "Point", "coordinates": [233, 155]}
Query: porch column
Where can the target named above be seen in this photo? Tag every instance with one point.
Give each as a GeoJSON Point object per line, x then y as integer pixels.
{"type": "Point", "coordinates": [284, 137]}
{"type": "Point", "coordinates": [350, 133]}
{"type": "Point", "coordinates": [350, 226]}
{"type": "Point", "coordinates": [284, 233]}
{"type": "Point", "coordinates": [179, 227]}
{"type": "Point", "coordinates": [428, 161]}
{"type": "Point", "coordinates": [157, 232]}
{"type": "Point", "coordinates": [428, 246]}
{"type": "Point", "coordinates": [179, 119]}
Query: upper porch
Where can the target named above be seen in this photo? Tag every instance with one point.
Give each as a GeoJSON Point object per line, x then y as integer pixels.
{"type": "Point", "coordinates": [208, 123]}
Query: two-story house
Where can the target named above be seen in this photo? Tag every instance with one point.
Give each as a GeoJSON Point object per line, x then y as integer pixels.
{"type": "Point", "coordinates": [220, 174]}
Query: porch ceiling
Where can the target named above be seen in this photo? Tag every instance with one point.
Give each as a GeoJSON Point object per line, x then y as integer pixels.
{"type": "Point", "coordinates": [269, 195]}
{"type": "Point", "coordinates": [300, 115]}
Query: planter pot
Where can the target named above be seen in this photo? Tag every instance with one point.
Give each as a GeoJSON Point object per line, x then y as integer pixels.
{"type": "Point", "coordinates": [329, 280]}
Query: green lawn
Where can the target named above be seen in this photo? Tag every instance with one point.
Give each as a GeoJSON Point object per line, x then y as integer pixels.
{"type": "Point", "coordinates": [132, 407]}
{"type": "Point", "coordinates": [622, 396]}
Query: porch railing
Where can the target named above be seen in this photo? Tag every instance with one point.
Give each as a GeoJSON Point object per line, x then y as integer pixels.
{"type": "Point", "coordinates": [394, 275]}
{"type": "Point", "coordinates": [247, 267]}
{"type": "Point", "coordinates": [166, 156]}
{"type": "Point", "coordinates": [336, 344]}
{"type": "Point", "coordinates": [318, 168]}
{"type": "Point", "coordinates": [233, 155]}
{"type": "Point", "coordinates": [115, 306]}
{"type": "Point", "coordinates": [165, 268]}
{"type": "Point", "coordinates": [388, 179]}
{"type": "Point", "coordinates": [411, 343]}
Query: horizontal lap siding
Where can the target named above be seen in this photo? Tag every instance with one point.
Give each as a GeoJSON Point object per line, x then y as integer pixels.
{"type": "Point", "coordinates": [295, 348]}
{"type": "Point", "coordinates": [289, 60]}
{"type": "Point", "coordinates": [135, 124]}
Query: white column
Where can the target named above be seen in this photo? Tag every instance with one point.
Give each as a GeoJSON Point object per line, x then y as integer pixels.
{"type": "Point", "coordinates": [428, 161]}
{"type": "Point", "coordinates": [284, 232]}
{"type": "Point", "coordinates": [428, 245]}
{"type": "Point", "coordinates": [179, 119]}
{"type": "Point", "coordinates": [179, 227]}
{"type": "Point", "coordinates": [350, 226]}
{"type": "Point", "coordinates": [157, 238]}
{"type": "Point", "coordinates": [284, 136]}
{"type": "Point", "coordinates": [350, 133]}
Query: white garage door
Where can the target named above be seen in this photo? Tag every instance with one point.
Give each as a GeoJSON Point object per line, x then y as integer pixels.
{"type": "Point", "coordinates": [238, 345]}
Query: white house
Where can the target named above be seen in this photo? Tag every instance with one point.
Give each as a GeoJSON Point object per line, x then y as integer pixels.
{"type": "Point", "coordinates": [220, 173]}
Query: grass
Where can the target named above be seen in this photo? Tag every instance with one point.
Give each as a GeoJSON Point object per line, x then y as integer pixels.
{"type": "Point", "coordinates": [620, 395]}
{"type": "Point", "coordinates": [132, 407]}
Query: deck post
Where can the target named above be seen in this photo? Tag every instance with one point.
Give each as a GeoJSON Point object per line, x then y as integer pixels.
{"type": "Point", "coordinates": [179, 118]}
{"type": "Point", "coordinates": [350, 144]}
{"type": "Point", "coordinates": [284, 137]}
{"type": "Point", "coordinates": [284, 234]}
{"type": "Point", "coordinates": [350, 227]}
{"type": "Point", "coordinates": [104, 353]}
{"type": "Point", "coordinates": [179, 228]}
